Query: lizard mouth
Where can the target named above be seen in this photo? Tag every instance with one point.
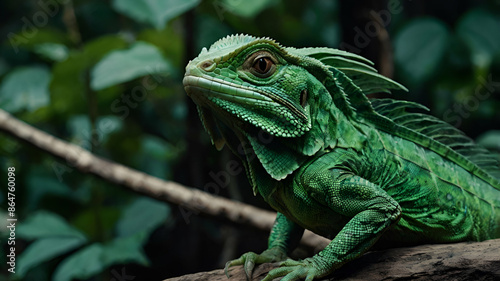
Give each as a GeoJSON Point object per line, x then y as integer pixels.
{"type": "Point", "coordinates": [274, 114]}
{"type": "Point", "coordinates": [197, 86]}
{"type": "Point", "coordinates": [219, 88]}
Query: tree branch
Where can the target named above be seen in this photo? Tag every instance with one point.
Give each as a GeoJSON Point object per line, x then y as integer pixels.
{"type": "Point", "coordinates": [196, 201]}
{"type": "Point", "coordinates": [444, 262]}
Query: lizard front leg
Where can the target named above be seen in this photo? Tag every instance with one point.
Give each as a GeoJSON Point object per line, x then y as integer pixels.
{"type": "Point", "coordinates": [371, 209]}
{"type": "Point", "coordinates": [284, 236]}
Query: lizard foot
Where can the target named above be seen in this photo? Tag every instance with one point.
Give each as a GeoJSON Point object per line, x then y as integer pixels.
{"type": "Point", "coordinates": [296, 270]}
{"type": "Point", "coordinates": [250, 259]}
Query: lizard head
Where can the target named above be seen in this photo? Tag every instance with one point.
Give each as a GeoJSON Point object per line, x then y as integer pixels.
{"type": "Point", "coordinates": [306, 98]}
{"type": "Point", "coordinates": [248, 79]}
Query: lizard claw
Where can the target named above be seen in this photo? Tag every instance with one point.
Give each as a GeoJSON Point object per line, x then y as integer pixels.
{"type": "Point", "coordinates": [248, 262]}
{"type": "Point", "coordinates": [249, 266]}
{"type": "Point", "coordinates": [296, 270]}
{"type": "Point", "coordinates": [250, 259]}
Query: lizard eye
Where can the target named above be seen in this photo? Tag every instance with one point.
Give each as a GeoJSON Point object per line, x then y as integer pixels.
{"type": "Point", "coordinates": [262, 65]}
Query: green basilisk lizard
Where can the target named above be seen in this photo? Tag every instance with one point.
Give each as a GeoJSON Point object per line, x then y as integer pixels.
{"type": "Point", "coordinates": [330, 160]}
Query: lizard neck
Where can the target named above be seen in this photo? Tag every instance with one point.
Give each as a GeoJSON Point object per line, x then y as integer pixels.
{"type": "Point", "coordinates": [269, 159]}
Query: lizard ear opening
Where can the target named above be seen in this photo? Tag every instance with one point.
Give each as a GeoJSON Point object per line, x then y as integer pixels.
{"type": "Point", "coordinates": [303, 98]}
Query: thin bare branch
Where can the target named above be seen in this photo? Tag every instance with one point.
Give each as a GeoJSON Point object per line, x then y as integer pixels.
{"type": "Point", "coordinates": [194, 200]}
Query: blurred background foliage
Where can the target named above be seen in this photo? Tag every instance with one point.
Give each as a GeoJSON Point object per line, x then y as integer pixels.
{"type": "Point", "coordinates": [107, 75]}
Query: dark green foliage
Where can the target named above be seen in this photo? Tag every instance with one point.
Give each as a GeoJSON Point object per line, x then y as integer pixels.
{"type": "Point", "coordinates": [107, 75]}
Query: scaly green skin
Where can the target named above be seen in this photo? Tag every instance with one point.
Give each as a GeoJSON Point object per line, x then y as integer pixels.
{"type": "Point", "coordinates": [329, 160]}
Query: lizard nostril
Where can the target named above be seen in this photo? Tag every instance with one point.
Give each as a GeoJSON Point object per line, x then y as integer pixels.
{"type": "Point", "coordinates": [208, 65]}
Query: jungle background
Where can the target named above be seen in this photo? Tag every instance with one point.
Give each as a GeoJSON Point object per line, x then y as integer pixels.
{"type": "Point", "coordinates": [107, 76]}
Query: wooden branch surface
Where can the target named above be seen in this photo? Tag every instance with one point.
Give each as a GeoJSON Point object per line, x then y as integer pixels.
{"type": "Point", "coordinates": [194, 200]}
{"type": "Point", "coordinates": [477, 261]}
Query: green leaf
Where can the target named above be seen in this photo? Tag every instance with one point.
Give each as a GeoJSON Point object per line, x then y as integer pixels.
{"type": "Point", "coordinates": [43, 175]}
{"type": "Point", "coordinates": [25, 88]}
{"type": "Point", "coordinates": [44, 224]}
{"type": "Point", "coordinates": [154, 155]}
{"type": "Point", "coordinates": [81, 265]}
{"type": "Point", "coordinates": [85, 220]}
{"type": "Point", "coordinates": [155, 147]}
{"type": "Point", "coordinates": [52, 51]}
{"type": "Point", "coordinates": [96, 49]}
{"type": "Point", "coordinates": [107, 125]}
{"type": "Point", "coordinates": [490, 140]}
{"type": "Point", "coordinates": [154, 12]}
{"type": "Point", "coordinates": [144, 214]}
{"type": "Point", "coordinates": [80, 128]}
{"type": "Point", "coordinates": [247, 9]}
{"type": "Point", "coordinates": [126, 250]}
{"type": "Point", "coordinates": [419, 48]}
{"type": "Point", "coordinates": [173, 49]}
{"type": "Point", "coordinates": [94, 258]}
{"type": "Point", "coordinates": [44, 250]}
{"type": "Point", "coordinates": [121, 66]}
{"type": "Point", "coordinates": [479, 29]}
{"type": "Point", "coordinates": [68, 86]}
